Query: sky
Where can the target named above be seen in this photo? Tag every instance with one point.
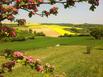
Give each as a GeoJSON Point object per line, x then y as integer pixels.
{"type": "Point", "coordinates": [77, 15]}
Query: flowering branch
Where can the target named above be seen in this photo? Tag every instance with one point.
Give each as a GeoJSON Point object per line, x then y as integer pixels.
{"type": "Point", "coordinates": [8, 8]}
{"type": "Point", "coordinates": [17, 56]}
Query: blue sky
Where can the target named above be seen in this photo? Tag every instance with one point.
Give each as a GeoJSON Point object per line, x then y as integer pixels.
{"type": "Point", "coordinates": [78, 14]}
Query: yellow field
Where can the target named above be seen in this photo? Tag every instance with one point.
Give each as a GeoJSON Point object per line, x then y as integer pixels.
{"type": "Point", "coordinates": [58, 29]}
{"type": "Point", "coordinates": [48, 30]}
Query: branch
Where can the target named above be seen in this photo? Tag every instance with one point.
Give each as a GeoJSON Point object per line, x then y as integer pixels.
{"type": "Point", "coordinates": [1, 19]}
{"type": "Point", "coordinates": [62, 2]}
{"type": "Point", "coordinates": [35, 13]}
{"type": "Point", "coordinates": [57, 2]}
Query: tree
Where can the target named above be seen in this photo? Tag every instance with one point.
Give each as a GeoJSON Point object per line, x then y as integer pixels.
{"type": "Point", "coordinates": [21, 21]}
{"type": "Point", "coordinates": [97, 32]}
{"type": "Point", "coordinates": [9, 8]}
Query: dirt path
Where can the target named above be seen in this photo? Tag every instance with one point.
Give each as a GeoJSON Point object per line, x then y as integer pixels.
{"type": "Point", "coordinates": [47, 31]}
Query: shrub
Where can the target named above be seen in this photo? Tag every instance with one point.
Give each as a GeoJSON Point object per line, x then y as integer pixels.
{"type": "Point", "coordinates": [6, 31]}
{"type": "Point", "coordinates": [30, 31]}
{"type": "Point", "coordinates": [11, 39]}
{"type": "Point", "coordinates": [83, 34]}
{"type": "Point", "coordinates": [6, 39]}
{"type": "Point", "coordinates": [30, 37]}
{"type": "Point", "coordinates": [74, 30]}
{"type": "Point", "coordinates": [97, 32]}
{"type": "Point", "coordinates": [7, 53]}
{"type": "Point", "coordinates": [79, 31]}
{"type": "Point", "coordinates": [66, 35]}
{"type": "Point", "coordinates": [40, 34]}
{"type": "Point", "coordinates": [19, 38]}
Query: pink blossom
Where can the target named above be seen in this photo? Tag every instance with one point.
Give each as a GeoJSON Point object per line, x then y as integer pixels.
{"type": "Point", "coordinates": [18, 54]}
{"type": "Point", "coordinates": [39, 68]}
{"type": "Point", "coordinates": [40, 0]}
{"type": "Point", "coordinates": [29, 59]}
{"type": "Point", "coordinates": [18, 1]}
{"type": "Point", "coordinates": [12, 34]}
{"type": "Point", "coordinates": [31, 1]}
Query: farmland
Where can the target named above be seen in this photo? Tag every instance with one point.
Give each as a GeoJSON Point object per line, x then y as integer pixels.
{"type": "Point", "coordinates": [66, 53]}
{"type": "Point", "coordinates": [49, 30]}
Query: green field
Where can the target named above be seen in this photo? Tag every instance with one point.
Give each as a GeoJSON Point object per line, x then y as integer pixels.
{"type": "Point", "coordinates": [66, 53]}
{"type": "Point", "coordinates": [42, 42]}
{"type": "Point", "coordinates": [68, 59]}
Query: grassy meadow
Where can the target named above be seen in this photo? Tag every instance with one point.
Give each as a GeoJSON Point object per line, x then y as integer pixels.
{"type": "Point", "coordinates": [70, 60]}
{"type": "Point", "coordinates": [43, 42]}
{"type": "Point", "coordinates": [66, 53]}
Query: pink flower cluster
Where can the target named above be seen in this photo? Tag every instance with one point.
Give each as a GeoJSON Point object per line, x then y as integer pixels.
{"type": "Point", "coordinates": [35, 63]}
{"type": "Point", "coordinates": [39, 68]}
{"type": "Point", "coordinates": [29, 59]}
{"type": "Point", "coordinates": [29, 1]}
{"type": "Point", "coordinates": [18, 55]}
{"type": "Point", "coordinates": [7, 31]}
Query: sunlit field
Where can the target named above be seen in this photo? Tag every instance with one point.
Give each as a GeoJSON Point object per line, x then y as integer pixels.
{"type": "Point", "coordinates": [68, 60]}
{"type": "Point", "coordinates": [69, 54]}
{"type": "Point", "coordinates": [59, 29]}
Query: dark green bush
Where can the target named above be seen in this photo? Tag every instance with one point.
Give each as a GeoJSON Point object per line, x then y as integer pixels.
{"type": "Point", "coordinates": [22, 35]}
{"type": "Point", "coordinates": [97, 32]}
{"type": "Point", "coordinates": [30, 37]}
{"type": "Point", "coordinates": [20, 38]}
{"type": "Point", "coordinates": [40, 34]}
{"type": "Point", "coordinates": [30, 31]}
{"type": "Point", "coordinates": [66, 35]}
{"type": "Point", "coordinates": [74, 30]}
{"type": "Point", "coordinates": [83, 35]}
{"type": "Point", "coordinates": [6, 39]}
{"type": "Point", "coordinates": [81, 31]}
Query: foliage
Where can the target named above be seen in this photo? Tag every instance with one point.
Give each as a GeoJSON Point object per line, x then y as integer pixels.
{"type": "Point", "coordinates": [21, 35]}
{"type": "Point", "coordinates": [6, 39]}
{"type": "Point", "coordinates": [40, 34]}
{"type": "Point", "coordinates": [24, 34]}
{"type": "Point", "coordinates": [19, 57]}
{"type": "Point", "coordinates": [21, 22]}
{"type": "Point", "coordinates": [66, 35]}
{"type": "Point", "coordinates": [6, 31]}
{"type": "Point", "coordinates": [97, 32]}
{"type": "Point", "coordinates": [21, 38]}
{"type": "Point", "coordinates": [80, 31]}
{"type": "Point", "coordinates": [9, 8]}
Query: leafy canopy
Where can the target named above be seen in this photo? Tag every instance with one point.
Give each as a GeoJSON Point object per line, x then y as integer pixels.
{"type": "Point", "coordinates": [9, 8]}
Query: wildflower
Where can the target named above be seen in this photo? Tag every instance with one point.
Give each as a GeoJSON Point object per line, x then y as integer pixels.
{"type": "Point", "coordinates": [9, 65]}
{"type": "Point", "coordinates": [40, 68]}
{"type": "Point", "coordinates": [37, 61]}
{"type": "Point", "coordinates": [47, 65]}
{"type": "Point", "coordinates": [29, 59]}
{"type": "Point", "coordinates": [18, 55]}
{"type": "Point", "coordinates": [12, 34]}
